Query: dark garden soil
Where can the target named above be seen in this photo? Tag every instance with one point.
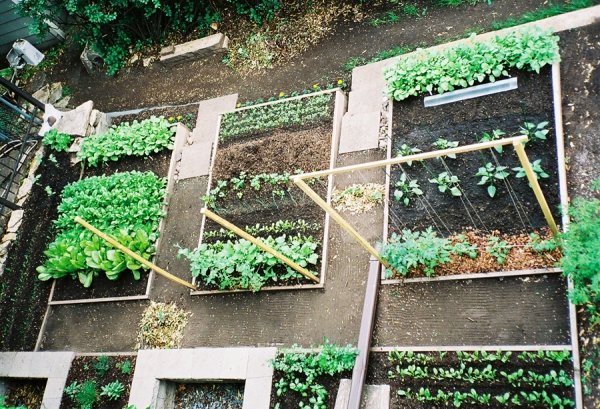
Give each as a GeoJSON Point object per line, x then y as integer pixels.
{"type": "Point", "coordinates": [158, 163]}
{"type": "Point", "coordinates": [292, 399]}
{"type": "Point", "coordinates": [25, 392]}
{"type": "Point", "coordinates": [380, 366]}
{"type": "Point", "coordinates": [23, 297]}
{"type": "Point", "coordinates": [465, 122]}
{"type": "Point", "coordinates": [209, 396]}
{"type": "Point", "coordinates": [82, 370]}
{"type": "Point", "coordinates": [102, 287]}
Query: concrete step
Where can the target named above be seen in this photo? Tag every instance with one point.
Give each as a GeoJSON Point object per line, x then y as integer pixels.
{"type": "Point", "coordinates": [360, 131]}
{"type": "Point", "coordinates": [365, 100]}
{"type": "Point", "coordinates": [208, 112]}
{"type": "Point", "coordinates": [374, 396]}
{"type": "Point", "coordinates": [195, 160]}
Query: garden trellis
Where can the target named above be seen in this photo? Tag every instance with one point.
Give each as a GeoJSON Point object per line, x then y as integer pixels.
{"type": "Point", "coordinates": [517, 142]}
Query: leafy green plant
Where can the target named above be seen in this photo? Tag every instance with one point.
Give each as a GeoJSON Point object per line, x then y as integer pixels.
{"type": "Point", "coordinates": [548, 10]}
{"type": "Point", "coordinates": [3, 405]}
{"type": "Point", "coordinates": [464, 65]}
{"type": "Point", "coordinates": [535, 132]}
{"type": "Point", "coordinates": [127, 206]}
{"type": "Point", "coordinates": [240, 264]}
{"type": "Point", "coordinates": [288, 112]}
{"type": "Point", "coordinates": [540, 245]}
{"type": "Point", "coordinates": [87, 395]}
{"type": "Point", "coordinates": [143, 138]}
{"type": "Point", "coordinates": [49, 191]}
{"type": "Point", "coordinates": [300, 226]}
{"type": "Point", "coordinates": [536, 165]}
{"type": "Point", "coordinates": [493, 136]}
{"type": "Point", "coordinates": [102, 365]}
{"type": "Point", "coordinates": [72, 389]}
{"type": "Point", "coordinates": [300, 371]}
{"type": "Point", "coordinates": [462, 247]}
{"type": "Point", "coordinates": [410, 10]}
{"type": "Point", "coordinates": [125, 367]}
{"type": "Point", "coordinates": [498, 249]}
{"type": "Point", "coordinates": [490, 175]}
{"type": "Point", "coordinates": [405, 190]}
{"type": "Point", "coordinates": [441, 143]}
{"type": "Point", "coordinates": [113, 390]}
{"type": "Point", "coordinates": [60, 142]}
{"type": "Point", "coordinates": [406, 150]}
{"type": "Point", "coordinates": [447, 183]}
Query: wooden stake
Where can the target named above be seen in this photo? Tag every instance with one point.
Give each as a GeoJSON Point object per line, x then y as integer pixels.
{"type": "Point", "coordinates": [133, 255]}
{"type": "Point", "coordinates": [535, 186]}
{"type": "Point", "coordinates": [341, 221]}
{"type": "Point", "coordinates": [258, 243]}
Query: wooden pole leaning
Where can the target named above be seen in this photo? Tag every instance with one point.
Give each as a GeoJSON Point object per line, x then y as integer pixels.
{"type": "Point", "coordinates": [340, 220]}
{"type": "Point", "coordinates": [259, 243]}
{"type": "Point", "coordinates": [535, 185]}
{"type": "Point", "coordinates": [133, 255]}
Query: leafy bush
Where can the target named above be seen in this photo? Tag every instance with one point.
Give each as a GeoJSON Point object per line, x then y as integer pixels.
{"type": "Point", "coordinates": [464, 65]}
{"type": "Point", "coordinates": [143, 138]}
{"type": "Point", "coordinates": [285, 113]}
{"type": "Point", "coordinates": [60, 142]}
{"type": "Point", "coordinates": [113, 390]}
{"type": "Point", "coordinates": [301, 369]}
{"type": "Point", "coordinates": [127, 206]}
{"type": "Point", "coordinates": [240, 264]}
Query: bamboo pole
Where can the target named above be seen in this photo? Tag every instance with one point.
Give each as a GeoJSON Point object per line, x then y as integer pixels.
{"type": "Point", "coordinates": [133, 255]}
{"type": "Point", "coordinates": [341, 221]}
{"type": "Point", "coordinates": [414, 158]}
{"type": "Point", "coordinates": [258, 243]}
{"type": "Point", "coordinates": [535, 186]}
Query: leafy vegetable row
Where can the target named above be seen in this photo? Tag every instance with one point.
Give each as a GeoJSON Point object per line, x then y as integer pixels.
{"type": "Point", "coordinates": [464, 65]}
{"type": "Point", "coordinates": [240, 264]}
{"type": "Point", "coordinates": [278, 227]}
{"type": "Point", "coordinates": [143, 138]}
{"type": "Point", "coordinates": [125, 205]}
{"type": "Point", "coordinates": [289, 112]}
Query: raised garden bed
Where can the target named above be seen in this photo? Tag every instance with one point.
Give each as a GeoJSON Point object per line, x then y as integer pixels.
{"type": "Point", "coordinates": [27, 393]}
{"type": "Point", "coordinates": [474, 379]}
{"type": "Point", "coordinates": [100, 381]}
{"type": "Point", "coordinates": [209, 396]}
{"type": "Point", "coordinates": [497, 220]}
{"type": "Point", "coordinates": [259, 149]}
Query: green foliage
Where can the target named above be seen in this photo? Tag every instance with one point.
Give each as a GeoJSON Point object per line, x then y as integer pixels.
{"type": "Point", "coordinates": [263, 11]}
{"type": "Point", "coordinates": [143, 138]}
{"type": "Point", "coordinates": [72, 389]}
{"type": "Point", "coordinates": [493, 136]}
{"type": "Point", "coordinates": [581, 252]}
{"type": "Point", "coordinates": [540, 245]}
{"type": "Point", "coordinates": [127, 206]}
{"type": "Point", "coordinates": [113, 390]}
{"type": "Point", "coordinates": [417, 250]}
{"type": "Point", "coordinates": [86, 395]}
{"type": "Point", "coordinates": [406, 150]}
{"type": "Point", "coordinates": [464, 65]}
{"type": "Point", "coordinates": [536, 165]}
{"type": "Point", "coordinates": [280, 226]}
{"type": "Point", "coordinates": [6, 406]}
{"type": "Point", "coordinates": [125, 367]}
{"type": "Point", "coordinates": [535, 132]}
{"type": "Point", "coordinates": [410, 10]}
{"type": "Point", "coordinates": [60, 142]}
{"type": "Point", "coordinates": [447, 183]}
{"type": "Point", "coordinates": [389, 17]}
{"type": "Point", "coordinates": [300, 370]}
{"type": "Point", "coordinates": [490, 175]}
{"type": "Point", "coordinates": [240, 264]}
{"type": "Point", "coordinates": [551, 9]}
{"type": "Point", "coordinates": [102, 365]}
{"type": "Point", "coordinates": [405, 190]}
{"type": "Point", "coordinates": [442, 144]}
{"type": "Point", "coordinates": [285, 113]}
{"type": "Point", "coordinates": [498, 249]}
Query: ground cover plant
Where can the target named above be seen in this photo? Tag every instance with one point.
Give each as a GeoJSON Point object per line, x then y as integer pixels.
{"type": "Point", "coordinates": [465, 65]}
{"type": "Point", "coordinates": [143, 138]}
{"type": "Point", "coordinates": [481, 379]}
{"type": "Point", "coordinates": [99, 382]}
{"type": "Point", "coordinates": [260, 197]}
{"type": "Point", "coordinates": [125, 205]}
{"type": "Point", "coordinates": [58, 141]}
{"type": "Point", "coordinates": [300, 376]}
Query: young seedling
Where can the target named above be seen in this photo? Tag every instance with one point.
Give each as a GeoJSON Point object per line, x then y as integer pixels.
{"type": "Point", "coordinates": [536, 165]}
{"type": "Point", "coordinates": [447, 183]}
{"type": "Point", "coordinates": [493, 136]}
{"type": "Point", "coordinates": [441, 144]}
{"type": "Point", "coordinates": [534, 132]}
{"type": "Point", "coordinates": [497, 248]}
{"type": "Point", "coordinates": [490, 175]}
{"type": "Point", "coordinates": [406, 150]}
{"type": "Point", "coordinates": [406, 190]}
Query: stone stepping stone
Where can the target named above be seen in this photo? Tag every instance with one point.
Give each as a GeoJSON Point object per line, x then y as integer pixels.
{"type": "Point", "coordinates": [360, 131]}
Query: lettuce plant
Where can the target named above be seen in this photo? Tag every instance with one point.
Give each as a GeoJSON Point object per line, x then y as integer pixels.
{"type": "Point", "coordinates": [60, 142]}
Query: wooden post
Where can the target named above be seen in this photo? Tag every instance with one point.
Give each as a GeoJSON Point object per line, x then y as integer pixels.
{"type": "Point", "coordinates": [133, 255]}
{"type": "Point", "coordinates": [531, 176]}
{"type": "Point", "coordinates": [341, 221]}
{"type": "Point", "coordinates": [258, 243]}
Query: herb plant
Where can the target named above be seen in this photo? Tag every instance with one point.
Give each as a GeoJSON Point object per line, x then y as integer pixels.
{"type": "Point", "coordinates": [143, 138]}
{"type": "Point", "coordinates": [125, 367]}
{"type": "Point", "coordinates": [447, 183]}
{"type": "Point", "coordinates": [493, 136]}
{"type": "Point", "coordinates": [405, 191]}
{"type": "Point", "coordinates": [464, 65]}
{"type": "Point", "coordinates": [102, 365]}
{"type": "Point", "coordinates": [60, 142]}
{"type": "Point", "coordinates": [490, 175]}
{"type": "Point", "coordinates": [113, 390]}
{"type": "Point", "coordinates": [535, 132]}
{"type": "Point", "coordinates": [536, 165]}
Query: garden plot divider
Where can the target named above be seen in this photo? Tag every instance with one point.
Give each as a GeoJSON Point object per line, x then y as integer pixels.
{"type": "Point", "coordinates": [339, 108]}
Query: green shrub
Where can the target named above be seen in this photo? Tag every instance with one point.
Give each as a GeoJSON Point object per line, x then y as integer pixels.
{"type": "Point", "coordinates": [464, 65]}
{"type": "Point", "coordinates": [285, 113]}
{"type": "Point", "coordinates": [60, 142]}
{"type": "Point", "coordinates": [301, 369]}
{"type": "Point", "coordinates": [240, 264]}
{"type": "Point", "coordinates": [143, 138]}
{"type": "Point", "coordinates": [127, 206]}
